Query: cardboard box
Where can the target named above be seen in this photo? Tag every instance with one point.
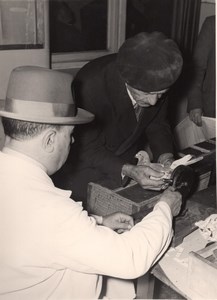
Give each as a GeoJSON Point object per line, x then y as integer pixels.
{"type": "Point", "coordinates": [186, 133]}
{"type": "Point", "coordinates": [202, 272]}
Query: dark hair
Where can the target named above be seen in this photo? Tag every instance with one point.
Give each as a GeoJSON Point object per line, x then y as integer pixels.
{"type": "Point", "coordinates": [24, 130]}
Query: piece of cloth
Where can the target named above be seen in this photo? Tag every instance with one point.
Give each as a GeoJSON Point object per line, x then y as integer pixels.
{"type": "Point", "coordinates": [115, 136]}
{"type": "Point", "coordinates": [51, 248]}
{"type": "Point", "coordinates": [202, 90]}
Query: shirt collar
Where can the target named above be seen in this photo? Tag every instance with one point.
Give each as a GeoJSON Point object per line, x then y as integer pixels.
{"type": "Point", "coordinates": [20, 155]}
{"type": "Point", "coordinates": [130, 95]}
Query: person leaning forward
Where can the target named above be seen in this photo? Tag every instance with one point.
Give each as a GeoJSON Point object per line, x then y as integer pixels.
{"type": "Point", "coordinates": [110, 87]}
{"type": "Point", "coordinates": [50, 246]}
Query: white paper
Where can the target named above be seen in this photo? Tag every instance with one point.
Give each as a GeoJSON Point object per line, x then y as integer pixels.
{"type": "Point", "coordinates": [187, 133]}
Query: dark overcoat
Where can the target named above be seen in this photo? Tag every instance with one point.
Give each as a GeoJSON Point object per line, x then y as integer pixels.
{"type": "Point", "coordinates": [202, 92]}
{"type": "Point", "coordinates": [114, 137]}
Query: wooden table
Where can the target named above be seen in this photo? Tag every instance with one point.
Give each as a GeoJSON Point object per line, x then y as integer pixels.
{"type": "Point", "coordinates": [199, 206]}
{"type": "Point", "coordinates": [207, 198]}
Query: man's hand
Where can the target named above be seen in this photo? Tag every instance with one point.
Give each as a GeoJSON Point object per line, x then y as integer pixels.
{"type": "Point", "coordinates": [118, 221]}
{"type": "Point", "coordinates": [144, 174]}
{"type": "Point", "coordinates": [173, 199]}
{"type": "Point", "coordinates": [195, 116]}
{"type": "Point", "coordinates": [166, 159]}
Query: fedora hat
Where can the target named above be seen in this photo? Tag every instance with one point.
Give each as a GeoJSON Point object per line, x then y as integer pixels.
{"type": "Point", "coordinates": [37, 94]}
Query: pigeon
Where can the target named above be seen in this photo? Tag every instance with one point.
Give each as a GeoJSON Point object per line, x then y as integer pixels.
{"type": "Point", "coordinates": [143, 158]}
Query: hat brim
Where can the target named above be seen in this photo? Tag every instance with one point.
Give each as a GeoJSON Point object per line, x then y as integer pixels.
{"type": "Point", "coordinates": [82, 117]}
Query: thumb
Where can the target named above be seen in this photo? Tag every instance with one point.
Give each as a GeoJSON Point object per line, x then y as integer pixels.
{"type": "Point", "coordinates": [125, 226]}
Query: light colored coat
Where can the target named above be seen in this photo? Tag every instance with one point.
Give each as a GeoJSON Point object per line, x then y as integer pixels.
{"type": "Point", "coordinates": [50, 247]}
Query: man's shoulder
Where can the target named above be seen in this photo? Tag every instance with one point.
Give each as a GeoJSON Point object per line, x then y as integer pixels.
{"type": "Point", "coordinates": [97, 66]}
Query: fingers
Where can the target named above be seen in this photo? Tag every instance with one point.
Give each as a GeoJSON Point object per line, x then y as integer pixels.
{"type": "Point", "coordinates": [197, 120]}
{"type": "Point", "coordinates": [118, 221]}
{"type": "Point", "coordinates": [147, 176]}
{"type": "Point", "coordinates": [151, 180]}
{"type": "Point", "coordinates": [170, 192]}
{"type": "Point", "coordinates": [195, 115]}
{"type": "Point", "coordinates": [154, 170]}
{"type": "Point", "coordinates": [123, 226]}
{"type": "Point", "coordinates": [191, 115]}
{"type": "Point", "coordinates": [171, 189]}
{"type": "Point", "coordinates": [126, 219]}
{"type": "Point", "coordinates": [120, 231]}
{"type": "Point", "coordinates": [167, 164]}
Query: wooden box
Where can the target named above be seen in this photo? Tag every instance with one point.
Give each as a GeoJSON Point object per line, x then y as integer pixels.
{"type": "Point", "coordinates": [130, 200]}
{"type": "Point", "coordinates": [202, 272]}
{"type": "Point", "coordinates": [135, 201]}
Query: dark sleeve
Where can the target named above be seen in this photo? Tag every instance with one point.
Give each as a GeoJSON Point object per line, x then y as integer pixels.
{"type": "Point", "coordinates": [91, 139]}
{"type": "Point", "coordinates": [199, 64]}
{"type": "Point", "coordinates": [159, 132]}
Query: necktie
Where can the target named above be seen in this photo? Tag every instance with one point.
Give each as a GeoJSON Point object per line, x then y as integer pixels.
{"type": "Point", "coordinates": [138, 110]}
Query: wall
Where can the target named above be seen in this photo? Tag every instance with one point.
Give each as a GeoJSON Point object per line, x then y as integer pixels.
{"type": "Point", "coordinates": [207, 9]}
{"type": "Point", "coordinates": [9, 59]}
{"type": "Point", "coordinates": [12, 58]}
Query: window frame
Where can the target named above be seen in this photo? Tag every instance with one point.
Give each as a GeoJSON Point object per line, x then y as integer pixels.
{"type": "Point", "coordinates": [115, 37]}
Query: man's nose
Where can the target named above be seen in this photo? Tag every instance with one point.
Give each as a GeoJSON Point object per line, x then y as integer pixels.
{"type": "Point", "coordinates": [153, 99]}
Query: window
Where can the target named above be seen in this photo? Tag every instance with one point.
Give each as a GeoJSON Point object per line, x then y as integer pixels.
{"type": "Point", "coordinates": [149, 15]}
{"type": "Point", "coordinates": [81, 30]}
{"type": "Point", "coordinates": [21, 24]}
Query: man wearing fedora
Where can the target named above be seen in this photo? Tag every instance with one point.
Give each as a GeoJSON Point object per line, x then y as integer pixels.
{"type": "Point", "coordinates": [50, 247]}
{"type": "Point", "coordinates": [114, 88]}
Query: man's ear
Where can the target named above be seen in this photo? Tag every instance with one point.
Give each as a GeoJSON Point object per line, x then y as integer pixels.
{"type": "Point", "coordinates": [49, 140]}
